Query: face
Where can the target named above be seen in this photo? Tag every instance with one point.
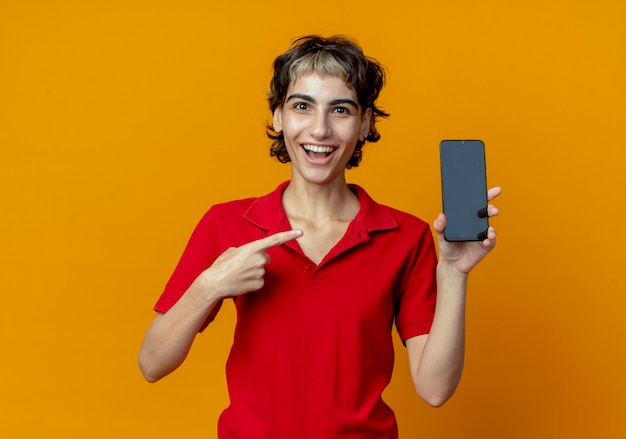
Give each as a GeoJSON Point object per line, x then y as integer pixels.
{"type": "Point", "coordinates": [321, 122]}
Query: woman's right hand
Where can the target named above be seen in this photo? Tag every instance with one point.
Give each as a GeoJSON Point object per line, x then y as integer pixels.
{"type": "Point", "coordinates": [240, 270]}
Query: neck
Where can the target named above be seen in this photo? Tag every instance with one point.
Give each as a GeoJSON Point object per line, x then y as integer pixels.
{"type": "Point", "coordinates": [320, 203]}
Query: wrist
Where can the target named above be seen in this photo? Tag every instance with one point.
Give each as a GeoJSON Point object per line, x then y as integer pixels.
{"type": "Point", "coordinates": [450, 277]}
{"type": "Point", "coordinates": [450, 269]}
{"type": "Point", "coordinates": [205, 289]}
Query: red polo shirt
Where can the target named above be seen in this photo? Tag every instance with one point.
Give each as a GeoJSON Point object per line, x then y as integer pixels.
{"type": "Point", "coordinates": [313, 350]}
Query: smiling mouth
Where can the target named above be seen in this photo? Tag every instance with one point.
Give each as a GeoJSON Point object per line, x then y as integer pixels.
{"type": "Point", "coordinates": [316, 151]}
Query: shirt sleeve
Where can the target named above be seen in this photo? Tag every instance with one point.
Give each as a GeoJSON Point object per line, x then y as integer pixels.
{"type": "Point", "coordinates": [201, 251]}
{"type": "Point", "coordinates": [416, 308]}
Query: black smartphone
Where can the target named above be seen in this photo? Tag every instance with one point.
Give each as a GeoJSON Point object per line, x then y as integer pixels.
{"type": "Point", "coordinates": [464, 189]}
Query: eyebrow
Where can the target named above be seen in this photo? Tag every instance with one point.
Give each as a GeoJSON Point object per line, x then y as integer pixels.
{"type": "Point", "coordinates": [312, 100]}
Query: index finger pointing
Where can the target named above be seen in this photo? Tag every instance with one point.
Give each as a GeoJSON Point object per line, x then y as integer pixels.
{"type": "Point", "coordinates": [275, 239]}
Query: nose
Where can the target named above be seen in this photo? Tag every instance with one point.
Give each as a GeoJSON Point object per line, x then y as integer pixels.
{"type": "Point", "coordinates": [320, 126]}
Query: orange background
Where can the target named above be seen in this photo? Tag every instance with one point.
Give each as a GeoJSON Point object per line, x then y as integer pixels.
{"type": "Point", "coordinates": [121, 122]}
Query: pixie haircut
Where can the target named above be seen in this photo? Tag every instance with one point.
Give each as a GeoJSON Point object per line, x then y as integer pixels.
{"type": "Point", "coordinates": [337, 56]}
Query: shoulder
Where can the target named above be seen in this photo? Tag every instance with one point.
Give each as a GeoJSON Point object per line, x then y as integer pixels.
{"type": "Point", "coordinates": [230, 208]}
{"type": "Point", "coordinates": [381, 216]}
{"type": "Point", "coordinates": [264, 211]}
{"type": "Point", "coordinates": [245, 218]}
{"type": "Point", "coordinates": [411, 231]}
{"type": "Point", "coordinates": [226, 211]}
{"type": "Point", "coordinates": [220, 217]}
{"type": "Point", "coordinates": [243, 206]}
{"type": "Point", "coordinates": [405, 217]}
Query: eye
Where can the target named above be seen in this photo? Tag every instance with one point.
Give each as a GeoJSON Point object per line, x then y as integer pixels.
{"type": "Point", "coordinates": [301, 106]}
{"type": "Point", "coordinates": [341, 110]}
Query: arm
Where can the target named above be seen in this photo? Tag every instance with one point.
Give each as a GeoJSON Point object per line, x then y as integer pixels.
{"type": "Point", "coordinates": [436, 360]}
{"type": "Point", "coordinates": [170, 336]}
{"type": "Point", "coordinates": [236, 272]}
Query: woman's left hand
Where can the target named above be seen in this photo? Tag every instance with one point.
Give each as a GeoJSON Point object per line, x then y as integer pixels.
{"type": "Point", "coordinates": [465, 255]}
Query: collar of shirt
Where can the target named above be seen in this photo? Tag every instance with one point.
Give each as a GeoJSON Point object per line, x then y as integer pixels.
{"type": "Point", "coordinates": [268, 213]}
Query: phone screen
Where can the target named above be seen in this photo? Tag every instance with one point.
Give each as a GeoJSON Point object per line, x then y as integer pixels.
{"type": "Point", "coordinates": [464, 189]}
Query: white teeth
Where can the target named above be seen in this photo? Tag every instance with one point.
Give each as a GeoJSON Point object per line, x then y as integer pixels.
{"type": "Point", "coordinates": [316, 148]}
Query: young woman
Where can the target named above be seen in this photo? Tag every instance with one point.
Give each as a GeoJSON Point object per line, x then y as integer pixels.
{"type": "Point", "coordinates": [319, 272]}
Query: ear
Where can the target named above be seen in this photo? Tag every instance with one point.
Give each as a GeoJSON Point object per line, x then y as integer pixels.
{"type": "Point", "coordinates": [366, 122]}
{"type": "Point", "coordinates": [277, 119]}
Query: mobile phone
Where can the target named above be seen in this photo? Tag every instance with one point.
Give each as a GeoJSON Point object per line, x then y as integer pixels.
{"type": "Point", "coordinates": [464, 189]}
